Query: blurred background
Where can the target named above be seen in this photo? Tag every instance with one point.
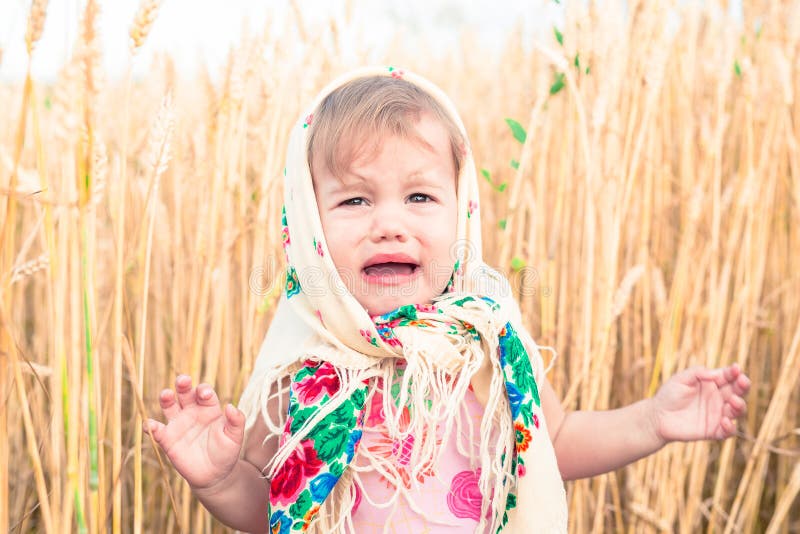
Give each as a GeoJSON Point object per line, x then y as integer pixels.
{"type": "Point", "coordinates": [199, 34]}
{"type": "Point", "coordinates": [640, 176]}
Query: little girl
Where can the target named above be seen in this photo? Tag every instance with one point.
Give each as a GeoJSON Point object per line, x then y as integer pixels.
{"type": "Point", "coordinates": [396, 389]}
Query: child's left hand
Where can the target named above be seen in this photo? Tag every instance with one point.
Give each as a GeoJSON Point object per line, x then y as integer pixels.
{"type": "Point", "coordinates": [700, 403]}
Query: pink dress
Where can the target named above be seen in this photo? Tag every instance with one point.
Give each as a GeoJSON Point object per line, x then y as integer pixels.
{"type": "Point", "coordinates": [444, 498]}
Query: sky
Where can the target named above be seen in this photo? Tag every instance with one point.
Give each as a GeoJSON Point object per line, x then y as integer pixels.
{"type": "Point", "coordinates": [196, 32]}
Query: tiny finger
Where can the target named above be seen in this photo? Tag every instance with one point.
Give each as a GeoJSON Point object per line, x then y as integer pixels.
{"type": "Point", "coordinates": [169, 405]}
{"type": "Point", "coordinates": [737, 406]}
{"type": "Point", "coordinates": [731, 372]}
{"type": "Point", "coordinates": [728, 427]}
{"type": "Point", "coordinates": [206, 396]}
{"type": "Point", "coordinates": [742, 385]}
{"type": "Point", "coordinates": [154, 428]}
{"type": "Point", "coordinates": [186, 393]}
{"type": "Point", "coordinates": [234, 423]}
{"type": "Point", "coordinates": [718, 376]}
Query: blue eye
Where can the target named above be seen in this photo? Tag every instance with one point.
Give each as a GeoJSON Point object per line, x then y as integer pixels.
{"type": "Point", "coordinates": [419, 197]}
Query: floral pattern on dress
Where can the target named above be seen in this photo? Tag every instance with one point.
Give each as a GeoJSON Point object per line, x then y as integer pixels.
{"type": "Point", "coordinates": [465, 499]}
{"type": "Point", "coordinates": [387, 447]}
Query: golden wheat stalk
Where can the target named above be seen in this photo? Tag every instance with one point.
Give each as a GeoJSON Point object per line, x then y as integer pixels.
{"type": "Point", "coordinates": [143, 23]}
{"type": "Point", "coordinates": [35, 27]}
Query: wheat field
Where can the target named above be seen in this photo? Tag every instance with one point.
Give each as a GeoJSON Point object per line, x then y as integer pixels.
{"type": "Point", "coordinates": [645, 203]}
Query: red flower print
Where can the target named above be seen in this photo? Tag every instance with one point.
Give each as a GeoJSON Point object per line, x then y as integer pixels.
{"type": "Point", "coordinates": [523, 436]}
{"type": "Point", "coordinates": [426, 308]}
{"type": "Point", "coordinates": [301, 465]}
{"type": "Point", "coordinates": [319, 316]}
{"type": "Point", "coordinates": [319, 248]}
{"type": "Point", "coordinates": [521, 470]}
{"type": "Point", "coordinates": [464, 499]}
{"type": "Point", "coordinates": [471, 208]}
{"type": "Point", "coordinates": [311, 388]}
{"type": "Point", "coordinates": [367, 335]}
{"type": "Point", "coordinates": [308, 120]}
{"type": "Point", "coordinates": [536, 420]}
{"type": "Point", "coordinates": [396, 73]}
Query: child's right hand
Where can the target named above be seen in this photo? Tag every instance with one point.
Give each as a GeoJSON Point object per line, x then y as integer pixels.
{"type": "Point", "coordinates": [200, 439]}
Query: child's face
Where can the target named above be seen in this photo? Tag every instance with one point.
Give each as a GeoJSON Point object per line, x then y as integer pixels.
{"type": "Point", "coordinates": [390, 221]}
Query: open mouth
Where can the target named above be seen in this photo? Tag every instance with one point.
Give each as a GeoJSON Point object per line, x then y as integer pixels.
{"type": "Point", "coordinates": [391, 269]}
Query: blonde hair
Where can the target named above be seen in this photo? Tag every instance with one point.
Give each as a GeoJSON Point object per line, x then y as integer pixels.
{"type": "Point", "coordinates": [351, 121]}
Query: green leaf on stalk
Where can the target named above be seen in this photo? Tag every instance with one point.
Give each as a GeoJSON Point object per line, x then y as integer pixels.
{"type": "Point", "coordinates": [559, 36]}
{"type": "Point", "coordinates": [48, 104]}
{"type": "Point", "coordinates": [517, 129]}
{"type": "Point", "coordinates": [517, 264]}
{"type": "Point", "coordinates": [502, 187]}
{"type": "Point", "coordinates": [502, 224]}
{"type": "Point", "coordinates": [558, 83]}
{"type": "Point", "coordinates": [577, 61]}
{"type": "Point", "coordinates": [737, 68]}
{"type": "Point", "coordinates": [588, 69]}
{"type": "Point", "coordinates": [486, 174]}
{"type": "Point", "coordinates": [515, 164]}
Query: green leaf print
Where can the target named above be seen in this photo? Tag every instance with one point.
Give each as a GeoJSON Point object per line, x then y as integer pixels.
{"type": "Point", "coordinates": [301, 506]}
{"type": "Point", "coordinates": [330, 443]}
{"type": "Point", "coordinates": [403, 312]}
{"type": "Point", "coordinates": [511, 502]}
{"type": "Point", "coordinates": [461, 302]}
{"type": "Point", "coordinates": [517, 358]}
{"type": "Point", "coordinates": [299, 417]}
{"type": "Point", "coordinates": [358, 398]}
{"type": "Point", "coordinates": [344, 415]}
{"type": "Point", "coordinates": [305, 371]}
{"type": "Point", "coordinates": [336, 468]}
{"type": "Point", "coordinates": [526, 411]}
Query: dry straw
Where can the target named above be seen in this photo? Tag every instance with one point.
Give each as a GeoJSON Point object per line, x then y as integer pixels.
{"type": "Point", "coordinates": [655, 195]}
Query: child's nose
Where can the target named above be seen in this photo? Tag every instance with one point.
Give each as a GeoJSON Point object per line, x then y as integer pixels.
{"type": "Point", "coordinates": [388, 224]}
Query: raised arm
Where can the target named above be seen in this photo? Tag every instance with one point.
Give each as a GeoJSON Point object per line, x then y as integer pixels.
{"type": "Point", "coordinates": [204, 441]}
{"type": "Point", "coordinates": [695, 404]}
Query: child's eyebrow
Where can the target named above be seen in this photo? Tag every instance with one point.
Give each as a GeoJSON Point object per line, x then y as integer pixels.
{"type": "Point", "coordinates": [347, 182]}
{"type": "Point", "coordinates": [427, 179]}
